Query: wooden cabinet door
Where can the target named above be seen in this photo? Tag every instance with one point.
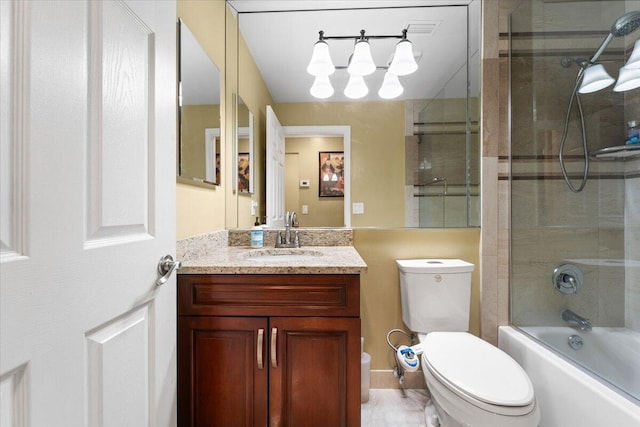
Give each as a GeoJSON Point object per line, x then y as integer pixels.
{"type": "Point", "coordinates": [220, 380]}
{"type": "Point", "coordinates": [314, 374]}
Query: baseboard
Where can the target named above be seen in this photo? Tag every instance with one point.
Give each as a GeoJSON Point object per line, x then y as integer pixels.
{"type": "Point", "coordinates": [383, 378]}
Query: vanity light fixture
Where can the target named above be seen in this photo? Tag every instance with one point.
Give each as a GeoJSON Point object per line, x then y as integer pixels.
{"type": "Point", "coordinates": [361, 64]}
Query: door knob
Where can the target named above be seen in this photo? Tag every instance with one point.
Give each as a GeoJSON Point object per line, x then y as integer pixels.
{"type": "Point", "coordinates": [166, 265]}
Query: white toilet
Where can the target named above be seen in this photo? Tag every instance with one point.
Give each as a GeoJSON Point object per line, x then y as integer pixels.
{"type": "Point", "coordinates": [472, 382]}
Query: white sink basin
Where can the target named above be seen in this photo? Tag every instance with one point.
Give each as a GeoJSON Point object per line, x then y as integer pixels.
{"type": "Point", "coordinates": [281, 255]}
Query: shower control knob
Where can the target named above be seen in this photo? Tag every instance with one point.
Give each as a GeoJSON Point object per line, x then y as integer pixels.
{"type": "Point", "coordinates": [567, 278]}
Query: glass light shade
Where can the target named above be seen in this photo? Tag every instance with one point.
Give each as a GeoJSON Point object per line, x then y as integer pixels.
{"type": "Point", "coordinates": [356, 88]}
{"type": "Point", "coordinates": [391, 87]}
{"type": "Point", "coordinates": [321, 63]}
{"type": "Point", "coordinates": [634, 59]}
{"type": "Point", "coordinates": [595, 78]}
{"type": "Point", "coordinates": [403, 63]}
{"type": "Point", "coordinates": [361, 62]}
{"type": "Point", "coordinates": [628, 78]}
{"type": "Point", "coordinates": [321, 87]}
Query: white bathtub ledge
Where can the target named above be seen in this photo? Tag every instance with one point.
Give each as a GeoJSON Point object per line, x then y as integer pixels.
{"type": "Point", "coordinates": [566, 395]}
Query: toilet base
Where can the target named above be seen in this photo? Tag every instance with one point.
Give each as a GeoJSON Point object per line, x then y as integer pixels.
{"type": "Point", "coordinates": [436, 417]}
{"type": "Point", "coordinates": [431, 415]}
{"type": "Point", "coordinates": [451, 411]}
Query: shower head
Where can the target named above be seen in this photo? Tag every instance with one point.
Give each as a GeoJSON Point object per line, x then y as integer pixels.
{"type": "Point", "coordinates": [626, 24]}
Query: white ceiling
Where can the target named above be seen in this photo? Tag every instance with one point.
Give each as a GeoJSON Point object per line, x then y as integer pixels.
{"type": "Point", "coordinates": [281, 34]}
{"type": "Point", "coordinates": [200, 77]}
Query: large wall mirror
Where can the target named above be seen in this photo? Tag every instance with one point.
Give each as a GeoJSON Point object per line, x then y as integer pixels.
{"type": "Point", "coordinates": [199, 112]}
{"type": "Point", "coordinates": [414, 158]}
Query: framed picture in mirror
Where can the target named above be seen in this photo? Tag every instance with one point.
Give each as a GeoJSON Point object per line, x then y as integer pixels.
{"type": "Point", "coordinates": [244, 173]}
{"type": "Point", "coordinates": [331, 174]}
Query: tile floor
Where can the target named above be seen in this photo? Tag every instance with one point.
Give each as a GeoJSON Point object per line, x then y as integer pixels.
{"type": "Point", "coordinates": [387, 408]}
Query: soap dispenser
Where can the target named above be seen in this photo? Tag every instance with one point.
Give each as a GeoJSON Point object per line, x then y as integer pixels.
{"type": "Point", "coordinates": [257, 235]}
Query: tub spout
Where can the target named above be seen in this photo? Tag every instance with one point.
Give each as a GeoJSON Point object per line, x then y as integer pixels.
{"type": "Point", "coordinates": [571, 317]}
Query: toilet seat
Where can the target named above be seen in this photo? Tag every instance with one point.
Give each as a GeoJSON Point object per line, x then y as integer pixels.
{"type": "Point", "coordinates": [478, 372]}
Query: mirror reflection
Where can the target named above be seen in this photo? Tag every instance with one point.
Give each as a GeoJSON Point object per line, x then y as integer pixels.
{"type": "Point", "coordinates": [314, 179]}
{"type": "Point", "coordinates": [244, 133]}
{"type": "Point", "coordinates": [199, 142]}
{"type": "Point", "coordinates": [415, 158]}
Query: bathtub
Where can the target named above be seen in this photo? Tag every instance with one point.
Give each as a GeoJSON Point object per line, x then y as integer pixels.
{"type": "Point", "coordinates": [568, 395]}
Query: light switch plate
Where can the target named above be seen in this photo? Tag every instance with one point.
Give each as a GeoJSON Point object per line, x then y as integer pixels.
{"type": "Point", "coordinates": [305, 209]}
{"type": "Point", "coordinates": [358, 208]}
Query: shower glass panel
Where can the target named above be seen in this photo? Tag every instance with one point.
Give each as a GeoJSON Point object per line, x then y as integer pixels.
{"type": "Point", "coordinates": [595, 231]}
{"type": "Point", "coordinates": [447, 178]}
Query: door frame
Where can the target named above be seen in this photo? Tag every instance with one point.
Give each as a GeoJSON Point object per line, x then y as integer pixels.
{"type": "Point", "coordinates": [330, 131]}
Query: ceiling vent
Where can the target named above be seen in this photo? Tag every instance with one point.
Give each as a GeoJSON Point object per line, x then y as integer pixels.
{"type": "Point", "coordinates": [427, 28]}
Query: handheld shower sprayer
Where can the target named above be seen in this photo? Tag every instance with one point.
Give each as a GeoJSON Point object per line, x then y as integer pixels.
{"type": "Point", "coordinates": [623, 26]}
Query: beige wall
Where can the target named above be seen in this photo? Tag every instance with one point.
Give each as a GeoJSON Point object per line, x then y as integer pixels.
{"type": "Point", "coordinates": [380, 306]}
{"type": "Point", "coordinates": [377, 153]}
{"type": "Point", "coordinates": [194, 120]}
{"type": "Point", "coordinates": [302, 163]}
{"type": "Point", "coordinates": [199, 210]}
{"type": "Point", "coordinates": [253, 91]}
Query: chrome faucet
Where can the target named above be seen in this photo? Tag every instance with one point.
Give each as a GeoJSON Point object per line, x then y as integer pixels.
{"type": "Point", "coordinates": [285, 241]}
{"type": "Point", "coordinates": [571, 317]}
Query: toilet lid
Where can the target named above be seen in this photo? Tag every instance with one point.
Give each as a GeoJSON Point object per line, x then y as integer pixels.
{"type": "Point", "coordinates": [477, 368]}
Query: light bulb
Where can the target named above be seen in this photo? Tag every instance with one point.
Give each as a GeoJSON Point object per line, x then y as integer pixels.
{"type": "Point", "coordinates": [634, 59]}
{"type": "Point", "coordinates": [628, 78]}
{"type": "Point", "coordinates": [595, 78]}
{"type": "Point", "coordinates": [391, 87]}
{"type": "Point", "coordinates": [321, 63]}
{"type": "Point", "coordinates": [356, 88]}
{"type": "Point", "coordinates": [361, 62]}
{"type": "Point", "coordinates": [321, 87]}
{"type": "Point", "coordinates": [403, 62]}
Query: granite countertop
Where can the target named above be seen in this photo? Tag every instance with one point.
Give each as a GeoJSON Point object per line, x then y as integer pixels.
{"type": "Point", "coordinates": [305, 260]}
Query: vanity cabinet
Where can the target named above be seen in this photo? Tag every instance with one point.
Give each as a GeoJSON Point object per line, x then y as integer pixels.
{"type": "Point", "coordinates": [271, 350]}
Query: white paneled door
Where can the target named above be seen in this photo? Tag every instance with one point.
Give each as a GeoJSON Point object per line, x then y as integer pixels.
{"type": "Point", "coordinates": [87, 210]}
{"type": "Point", "coordinates": [275, 170]}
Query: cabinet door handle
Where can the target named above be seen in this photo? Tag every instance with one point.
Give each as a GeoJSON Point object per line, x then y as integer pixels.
{"type": "Point", "coordinates": [274, 342]}
{"type": "Point", "coordinates": [260, 350]}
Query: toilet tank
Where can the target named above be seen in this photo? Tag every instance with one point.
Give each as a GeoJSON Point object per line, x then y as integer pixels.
{"type": "Point", "coordinates": [436, 294]}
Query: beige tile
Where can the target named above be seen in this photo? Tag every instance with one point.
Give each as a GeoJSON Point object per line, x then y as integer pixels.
{"type": "Point", "coordinates": [490, 106]}
{"type": "Point", "coordinates": [489, 206]}
{"type": "Point", "coordinates": [490, 30]}
{"type": "Point", "coordinates": [489, 299]}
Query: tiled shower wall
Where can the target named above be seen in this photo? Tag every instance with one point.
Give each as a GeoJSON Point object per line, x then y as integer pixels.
{"type": "Point", "coordinates": [551, 225]}
{"type": "Point", "coordinates": [557, 226]}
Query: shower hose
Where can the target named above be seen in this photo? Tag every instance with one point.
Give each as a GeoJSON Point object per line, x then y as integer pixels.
{"type": "Point", "coordinates": [575, 95]}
